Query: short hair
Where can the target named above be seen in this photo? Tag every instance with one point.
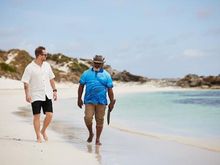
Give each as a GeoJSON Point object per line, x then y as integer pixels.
{"type": "Point", "coordinates": [39, 50]}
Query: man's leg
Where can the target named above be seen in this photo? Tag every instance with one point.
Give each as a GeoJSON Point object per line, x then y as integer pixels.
{"type": "Point", "coordinates": [36, 107]}
{"type": "Point", "coordinates": [36, 122]}
{"type": "Point", "coordinates": [99, 116]}
{"type": "Point", "coordinates": [89, 112]}
{"type": "Point", "coordinates": [47, 121]}
{"type": "Point", "coordinates": [98, 134]}
{"type": "Point", "coordinates": [48, 111]}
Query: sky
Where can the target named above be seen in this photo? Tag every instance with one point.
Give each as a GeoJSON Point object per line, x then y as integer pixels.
{"type": "Point", "coordinates": [156, 39]}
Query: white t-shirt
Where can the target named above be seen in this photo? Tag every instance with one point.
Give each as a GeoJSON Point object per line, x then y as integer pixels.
{"type": "Point", "coordinates": [38, 78]}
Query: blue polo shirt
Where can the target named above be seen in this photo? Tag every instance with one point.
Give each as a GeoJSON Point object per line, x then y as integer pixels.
{"type": "Point", "coordinates": [97, 84]}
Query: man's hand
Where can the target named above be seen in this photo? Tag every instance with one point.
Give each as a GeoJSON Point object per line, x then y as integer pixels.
{"type": "Point", "coordinates": [111, 105]}
{"type": "Point", "coordinates": [80, 103]}
{"type": "Point", "coordinates": [54, 96]}
{"type": "Point", "coordinates": [27, 93]}
{"type": "Point", "coordinates": [28, 98]}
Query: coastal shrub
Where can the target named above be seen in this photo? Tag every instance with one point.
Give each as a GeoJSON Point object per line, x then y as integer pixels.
{"type": "Point", "coordinates": [2, 51]}
{"type": "Point", "coordinates": [3, 56]}
{"type": "Point", "coordinates": [21, 60]}
{"type": "Point", "coordinates": [83, 67]}
{"type": "Point", "coordinates": [58, 58]}
{"type": "Point", "coordinates": [7, 68]}
{"type": "Point", "coordinates": [77, 67]}
{"type": "Point", "coordinates": [57, 74]}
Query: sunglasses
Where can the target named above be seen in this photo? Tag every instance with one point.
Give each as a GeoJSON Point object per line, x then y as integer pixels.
{"type": "Point", "coordinates": [97, 63]}
{"type": "Point", "coordinates": [44, 54]}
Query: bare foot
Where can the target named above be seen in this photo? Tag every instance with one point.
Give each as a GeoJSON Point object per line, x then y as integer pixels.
{"type": "Point", "coordinates": [44, 135]}
{"type": "Point", "coordinates": [98, 143]}
{"type": "Point", "coordinates": [89, 140]}
{"type": "Point", "coordinates": [39, 140]}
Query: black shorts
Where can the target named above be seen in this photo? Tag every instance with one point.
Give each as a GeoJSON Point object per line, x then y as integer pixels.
{"type": "Point", "coordinates": [46, 105]}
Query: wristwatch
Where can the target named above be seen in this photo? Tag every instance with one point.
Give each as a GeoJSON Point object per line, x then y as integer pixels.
{"type": "Point", "coordinates": [54, 90]}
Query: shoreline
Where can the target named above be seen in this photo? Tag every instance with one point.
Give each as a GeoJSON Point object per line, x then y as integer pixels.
{"type": "Point", "coordinates": [121, 87]}
{"type": "Point", "coordinates": [18, 135]}
{"type": "Point", "coordinates": [189, 141]}
{"type": "Point", "coordinates": [176, 146]}
{"type": "Point", "coordinates": [201, 143]}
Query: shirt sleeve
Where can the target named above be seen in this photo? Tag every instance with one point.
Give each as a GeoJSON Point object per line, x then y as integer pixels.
{"type": "Point", "coordinates": [83, 79]}
{"type": "Point", "coordinates": [26, 75]}
{"type": "Point", "coordinates": [109, 81]}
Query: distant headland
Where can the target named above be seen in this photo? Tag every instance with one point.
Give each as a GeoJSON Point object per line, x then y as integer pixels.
{"type": "Point", "coordinates": [68, 69]}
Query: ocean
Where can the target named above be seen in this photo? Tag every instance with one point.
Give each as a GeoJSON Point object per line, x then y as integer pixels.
{"type": "Point", "coordinates": [190, 118]}
{"type": "Point", "coordinates": [185, 113]}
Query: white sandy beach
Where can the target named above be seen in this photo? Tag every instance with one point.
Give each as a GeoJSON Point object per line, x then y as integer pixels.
{"type": "Point", "coordinates": [18, 144]}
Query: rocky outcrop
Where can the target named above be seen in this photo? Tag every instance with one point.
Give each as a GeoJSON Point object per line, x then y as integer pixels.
{"type": "Point", "coordinates": [193, 80]}
{"type": "Point", "coordinates": [66, 69]}
{"type": "Point", "coordinates": [128, 77]}
{"type": "Point", "coordinates": [166, 82]}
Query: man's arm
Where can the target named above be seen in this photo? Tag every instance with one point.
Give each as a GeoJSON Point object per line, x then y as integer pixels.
{"type": "Point", "coordinates": [52, 83]}
{"type": "Point", "coordinates": [27, 92]}
{"type": "Point", "coordinates": [111, 98]}
{"type": "Point", "coordinates": [80, 92]}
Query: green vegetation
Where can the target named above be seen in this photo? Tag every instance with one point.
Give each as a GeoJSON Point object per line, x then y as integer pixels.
{"type": "Point", "coordinates": [7, 68]}
{"type": "Point", "coordinates": [2, 51]}
{"type": "Point", "coordinates": [83, 67]}
{"type": "Point", "coordinates": [77, 67]}
{"type": "Point", "coordinates": [21, 60]}
{"type": "Point", "coordinates": [57, 74]}
{"type": "Point", "coordinates": [58, 58]}
{"type": "Point", "coordinates": [3, 56]}
{"type": "Point", "coordinates": [23, 57]}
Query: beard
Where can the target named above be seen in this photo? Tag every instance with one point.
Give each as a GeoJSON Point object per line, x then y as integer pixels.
{"type": "Point", "coordinates": [96, 69]}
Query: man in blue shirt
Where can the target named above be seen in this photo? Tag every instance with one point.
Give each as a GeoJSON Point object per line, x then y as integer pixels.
{"type": "Point", "coordinates": [98, 82]}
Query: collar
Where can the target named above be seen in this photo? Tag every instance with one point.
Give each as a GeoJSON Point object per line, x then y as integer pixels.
{"type": "Point", "coordinates": [37, 64]}
{"type": "Point", "coordinates": [101, 70]}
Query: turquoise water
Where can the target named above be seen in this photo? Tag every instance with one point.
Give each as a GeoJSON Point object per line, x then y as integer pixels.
{"type": "Point", "coordinates": [190, 113]}
{"type": "Point", "coordinates": [173, 126]}
{"type": "Point", "coordinates": [183, 113]}
{"type": "Point", "coordinates": [181, 116]}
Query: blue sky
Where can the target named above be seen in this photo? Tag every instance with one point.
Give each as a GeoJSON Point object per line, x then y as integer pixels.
{"type": "Point", "coordinates": [156, 39]}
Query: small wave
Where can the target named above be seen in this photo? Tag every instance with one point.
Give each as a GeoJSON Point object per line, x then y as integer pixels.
{"type": "Point", "coordinates": [205, 144]}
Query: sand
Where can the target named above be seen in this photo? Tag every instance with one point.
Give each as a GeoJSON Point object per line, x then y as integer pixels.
{"type": "Point", "coordinates": [18, 142]}
{"type": "Point", "coordinates": [17, 137]}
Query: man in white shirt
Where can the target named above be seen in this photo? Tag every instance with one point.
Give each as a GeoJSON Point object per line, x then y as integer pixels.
{"type": "Point", "coordinates": [39, 86]}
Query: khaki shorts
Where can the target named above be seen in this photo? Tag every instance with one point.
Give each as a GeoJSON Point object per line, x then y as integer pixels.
{"type": "Point", "coordinates": [98, 111]}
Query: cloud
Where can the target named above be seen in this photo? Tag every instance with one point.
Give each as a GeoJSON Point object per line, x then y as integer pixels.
{"type": "Point", "coordinates": [193, 53]}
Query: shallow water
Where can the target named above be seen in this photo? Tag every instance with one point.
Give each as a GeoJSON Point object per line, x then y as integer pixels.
{"type": "Point", "coordinates": [193, 114]}
{"type": "Point", "coordinates": [139, 120]}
